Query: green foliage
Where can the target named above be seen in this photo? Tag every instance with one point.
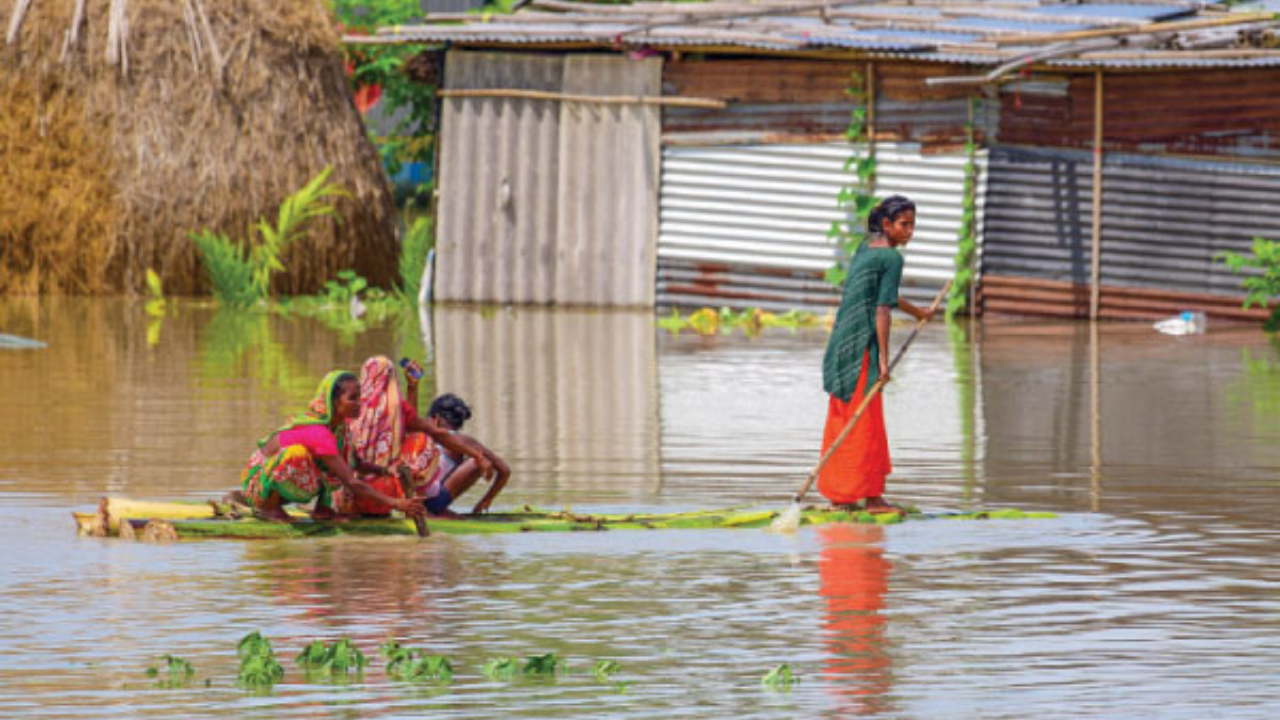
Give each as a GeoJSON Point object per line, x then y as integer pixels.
{"type": "Point", "coordinates": [415, 665]}
{"type": "Point", "coordinates": [751, 321]}
{"type": "Point", "coordinates": [857, 199]}
{"type": "Point", "coordinates": [500, 668]}
{"type": "Point", "coordinates": [259, 669]}
{"type": "Point", "coordinates": [605, 669]}
{"type": "Point", "coordinates": [177, 673]}
{"type": "Point", "coordinates": [542, 665]}
{"type": "Point", "coordinates": [1259, 287]}
{"type": "Point", "coordinates": [779, 678]}
{"type": "Point", "coordinates": [227, 264]}
{"type": "Point", "coordinates": [966, 241]}
{"type": "Point", "coordinates": [329, 661]}
{"type": "Point", "coordinates": [418, 241]}
{"type": "Point", "coordinates": [155, 305]}
{"type": "Point", "coordinates": [410, 101]}
{"type": "Point", "coordinates": [241, 271]}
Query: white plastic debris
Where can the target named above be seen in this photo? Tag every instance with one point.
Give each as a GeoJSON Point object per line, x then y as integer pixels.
{"type": "Point", "coordinates": [1190, 322]}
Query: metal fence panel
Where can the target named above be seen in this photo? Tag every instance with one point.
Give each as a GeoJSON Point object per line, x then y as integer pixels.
{"type": "Point", "coordinates": [543, 201]}
{"type": "Point", "coordinates": [1164, 220]}
{"type": "Point", "coordinates": [747, 224]}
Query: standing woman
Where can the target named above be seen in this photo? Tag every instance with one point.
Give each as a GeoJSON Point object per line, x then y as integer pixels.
{"type": "Point", "coordinates": [309, 458]}
{"type": "Point", "coordinates": [858, 355]}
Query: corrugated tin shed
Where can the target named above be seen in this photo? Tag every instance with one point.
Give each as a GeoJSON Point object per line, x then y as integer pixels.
{"type": "Point", "coordinates": [1181, 33]}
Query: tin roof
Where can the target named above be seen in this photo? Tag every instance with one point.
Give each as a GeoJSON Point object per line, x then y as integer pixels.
{"type": "Point", "coordinates": [1135, 34]}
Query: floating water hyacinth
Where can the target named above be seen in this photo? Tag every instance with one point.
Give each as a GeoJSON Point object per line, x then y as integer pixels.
{"type": "Point", "coordinates": [751, 321]}
{"type": "Point", "coordinates": [336, 660]}
{"type": "Point", "coordinates": [177, 673]}
{"type": "Point", "coordinates": [259, 669]}
{"type": "Point", "coordinates": [415, 665]}
{"type": "Point", "coordinates": [779, 678]}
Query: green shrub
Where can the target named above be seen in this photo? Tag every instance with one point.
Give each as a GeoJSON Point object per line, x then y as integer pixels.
{"type": "Point", "coordinates": [1261, 288]}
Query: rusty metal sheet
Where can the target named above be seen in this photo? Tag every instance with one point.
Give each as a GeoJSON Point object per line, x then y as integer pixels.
{"type": "Point", "coordinates": [1228, 113]}
{"type": "Point", "coordinates": [1164, 221]}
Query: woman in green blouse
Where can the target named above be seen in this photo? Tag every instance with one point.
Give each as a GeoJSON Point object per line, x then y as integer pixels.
{"type": "Point", "coordinates": [857, 355]}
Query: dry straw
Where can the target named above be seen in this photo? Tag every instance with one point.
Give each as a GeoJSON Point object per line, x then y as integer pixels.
{"type": "Point", "coordinates": [128, 123]}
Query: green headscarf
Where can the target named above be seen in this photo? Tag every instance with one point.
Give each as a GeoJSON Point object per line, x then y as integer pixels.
{"type": "Point", "coordinates": [320, 410]}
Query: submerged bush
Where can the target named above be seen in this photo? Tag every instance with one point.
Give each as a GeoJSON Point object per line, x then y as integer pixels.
{"type": "Point", "coordinates": [241, 271]}
{"type": "Point", "coordinates": [1261, 288]}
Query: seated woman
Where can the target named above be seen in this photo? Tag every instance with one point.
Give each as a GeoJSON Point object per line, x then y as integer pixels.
{"type": "Point", "coordinates": [453, 478]}
{"type": "Point", "coordinates": [388, 432]}
{"type": "Point", "coordinates": [309, 459]}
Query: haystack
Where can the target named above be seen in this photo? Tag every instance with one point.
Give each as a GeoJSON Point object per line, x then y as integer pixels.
{"type": "Point", "coordinates": [126, 124]}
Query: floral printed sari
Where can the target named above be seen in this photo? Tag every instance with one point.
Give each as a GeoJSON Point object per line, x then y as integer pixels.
{"type": "Point", "coordinates": [292, 472]}
{"type": "Point", "coordinates": [378, 436]}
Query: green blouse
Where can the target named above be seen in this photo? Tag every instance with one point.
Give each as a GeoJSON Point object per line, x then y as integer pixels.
{"type": "Point", "coordinates": [874, 274]}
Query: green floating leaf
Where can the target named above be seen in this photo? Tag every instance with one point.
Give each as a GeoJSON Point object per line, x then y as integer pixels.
{"type": "Point", "coordinates": [259, 669]}
{"type": "Point", "coordinates": [605, 669]}
{"type": "Point", "coordinates": [779, 678]}
{"type": "Point", "coordinates": [501, 668]}
{"type": "Point", "coordinates": [544, 665]}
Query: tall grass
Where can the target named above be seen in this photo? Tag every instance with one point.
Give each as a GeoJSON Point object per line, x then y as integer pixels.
{"type": "Point", "coordinates": [241, 271]}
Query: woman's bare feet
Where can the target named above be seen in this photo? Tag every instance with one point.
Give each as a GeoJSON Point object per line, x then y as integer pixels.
{"type": "Point", "coordinates": [878, 506]}
{"type": "Point", "coordinates": [275, 515]}
{"type": "Point", "coordinates": [323, 514]}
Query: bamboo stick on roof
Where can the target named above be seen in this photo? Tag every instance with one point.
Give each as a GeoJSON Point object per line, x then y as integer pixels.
{"type": "Point", "coordinates": [1148, 28]}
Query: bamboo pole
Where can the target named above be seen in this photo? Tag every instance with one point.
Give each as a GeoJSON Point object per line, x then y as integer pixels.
{"type": "Point", "coordinates": [1095, 276]}
{"type": "Point", "coordinates": [708, 103]}
{"type": "Point", "coordinates": [1147, 29]}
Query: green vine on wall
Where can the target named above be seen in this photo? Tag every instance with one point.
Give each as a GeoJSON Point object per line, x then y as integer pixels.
{"type": "Point", "coordinates": [966, 238]}
{"type": "Point", "coordinates": [858, 198]}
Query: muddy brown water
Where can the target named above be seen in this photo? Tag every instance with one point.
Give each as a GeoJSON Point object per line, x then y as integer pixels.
{"type": "Point", "coordinates": [1154, 594]}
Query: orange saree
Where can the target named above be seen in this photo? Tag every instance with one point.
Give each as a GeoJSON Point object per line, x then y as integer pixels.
{"type": "Point", "coordinates": [857, 469]}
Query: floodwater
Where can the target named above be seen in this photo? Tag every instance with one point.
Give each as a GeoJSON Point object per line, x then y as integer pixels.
{"type": "Point", "coordinates": [1155, 593]}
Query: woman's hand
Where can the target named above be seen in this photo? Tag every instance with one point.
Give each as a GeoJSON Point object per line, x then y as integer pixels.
{"type": "Point", "coordinates": [884, 371]}
{"type": "Point", "coordinates": [411, 506]}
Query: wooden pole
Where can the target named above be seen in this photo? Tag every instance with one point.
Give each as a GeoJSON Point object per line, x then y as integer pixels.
{"type": "Point", "coordinates": [1095, 276]}
{"type": "Point", "coordinates": [708, 103]}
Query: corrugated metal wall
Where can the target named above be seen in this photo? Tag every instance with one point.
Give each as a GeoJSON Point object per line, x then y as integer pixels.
{"type": "Point", "coordinates": [1163, 220]}
{"type": "Point", "coordinates": [545, 201]}
{"type": "Point", "coordinates": [746, 225]}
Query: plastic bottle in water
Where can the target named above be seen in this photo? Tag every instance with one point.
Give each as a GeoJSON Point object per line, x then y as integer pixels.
{"type": "Point", "coordinates": [1189, 322]}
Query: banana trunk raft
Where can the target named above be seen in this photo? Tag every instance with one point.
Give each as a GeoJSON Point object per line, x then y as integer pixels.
{"type": "Point", "coordinates": [191, 520]}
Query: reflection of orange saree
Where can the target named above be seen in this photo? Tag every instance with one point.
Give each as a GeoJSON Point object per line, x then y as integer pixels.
{"type": "Point", "coordinates": [854, 578]}
{"type": "Point", "coordinates": [858, 467]}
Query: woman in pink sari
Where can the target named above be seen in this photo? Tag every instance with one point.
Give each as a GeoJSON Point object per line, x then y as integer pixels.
{"type": "Point", "coordinates": [388, 432]}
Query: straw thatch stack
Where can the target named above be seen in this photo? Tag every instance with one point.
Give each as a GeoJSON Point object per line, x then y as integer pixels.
{"type": "Point", "coordinates": [125, 124]}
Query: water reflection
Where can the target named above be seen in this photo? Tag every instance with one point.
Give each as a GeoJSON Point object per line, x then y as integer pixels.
{"type": "Point", "coordinates": [568, 397]}
{"type": "Point", "coordinates": [854, 578]}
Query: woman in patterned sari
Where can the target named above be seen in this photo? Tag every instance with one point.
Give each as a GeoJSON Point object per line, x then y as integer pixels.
{"type": "Point", "coordinates": [309, 458]}
{"type": "Point", "coordinates": [389, 433]}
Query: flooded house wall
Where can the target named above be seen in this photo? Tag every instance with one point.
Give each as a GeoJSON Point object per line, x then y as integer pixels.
{"type": "Point", "coordinates": [750, 191]}
{"type": "Point", "coordinates": [546, 201]}
{"type": "Point", "coordinates": [1181, 182]}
